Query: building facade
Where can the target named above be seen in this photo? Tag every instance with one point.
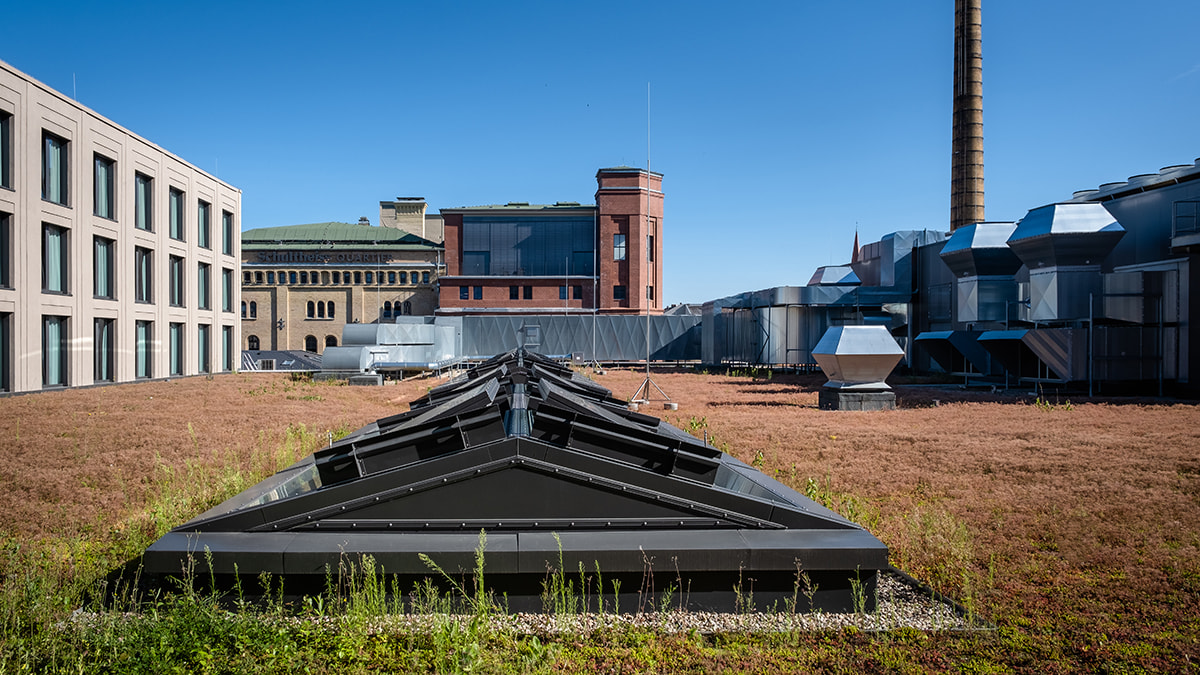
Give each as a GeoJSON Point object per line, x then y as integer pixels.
{"type": "Point", "coordinates": [302, 283]}
{"type": "Point", "coordinates": [118, 259]}
{"type": "Point", "coordinates": [564, 258]}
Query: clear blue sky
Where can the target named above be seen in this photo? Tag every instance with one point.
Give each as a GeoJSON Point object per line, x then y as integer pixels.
{"type": "Point", "coordinates": [779, 127]}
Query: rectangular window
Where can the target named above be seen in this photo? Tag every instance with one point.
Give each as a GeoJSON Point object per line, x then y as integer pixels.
{"type": "Point", "coordinates": [271, 277]}
{"type": "Point", "coordinates": [650, 247]}
{"type": "Point", "coordinates": [650, 293]}
{"type": "Point", "coordinates": [203, 284]}
{"type": "Point", "coordinates": [54, 259]}
{"type": "Point", "coordinates": [404, 277]}
{"type": "Point", "coordinates": [370, 278]}
{"type": "Point", "coordinates": [204, 348]}
{"type": "Point", "coordinates": [6, 150]}
{"type": "Point", "coordinates": [54, 351]}
{"type": "Point", "coordinates": [5, 250]}
{"type": "Point", "coordinates": [203, 225]}
{"type": "Point", "coordinates": [143, 349]}
{"type": "Point", "coordinates": [464, 292]}
{"type": "Point", "coordinates": [258, 277]}
{"type": "Point", "coordinates": [304, 277]}
{"type": "Point", "coordinates": [514, 292]}
{"type": "Point", "coordinates": [479, 292]}
{"type": "Point", "coordinates": [175, 334]}
{"type": "Point", "coordinates": [5, 351]}
{"type": "Point", "coordinates": [175, 281]}
{"type": "Point", "coordinates": [104, 277]}
{"type": "Point", "coordinates": [226, 233]}
{"type": "Point", "coordinates": [562, 292]}
{"type": "Point", "coordinates": [105, 188]}
{"type": "Point", "coordinates": [527, 292]}
{"type": "Point", "coordinates": [143, 202]}
{"type": "Point", "coordinates": [143, 274]}
{"type": "Point", "coordinates": [291, 277]}
{"type": "Point", "coordinates": [175, 211]}
{"type": "Point", "coordinates": [54, 168]}
{"type": "Point", "coordinates": [105, 345]}
{"type": "Point", "coordinates": [425, 277]}
{"type": "Point", "coordinates": [226, 290]}
{"type": "Point", "coordinates": [619, 293]}
{"type": "Point", "coordinates": [227, 348]}
{"type": "Point", "coordinates": [391, 277]}
{"type": "Point", "coordinates": [618, 247]}
{"type": "Point", "coordinates": [577, 292]}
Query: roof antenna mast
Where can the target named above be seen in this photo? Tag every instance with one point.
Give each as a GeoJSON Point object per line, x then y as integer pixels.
{"type": "Point", "coordinates": [643, 393]}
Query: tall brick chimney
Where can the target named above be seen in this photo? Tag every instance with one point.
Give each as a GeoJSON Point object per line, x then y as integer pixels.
{"type": "Point", "coordinates": [966, 182]}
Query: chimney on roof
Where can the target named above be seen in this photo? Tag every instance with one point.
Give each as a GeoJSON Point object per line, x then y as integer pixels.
{"type": "Point", "coordinates": [364, 221]}
{"type": "Point", "coordinates": [966, 182]}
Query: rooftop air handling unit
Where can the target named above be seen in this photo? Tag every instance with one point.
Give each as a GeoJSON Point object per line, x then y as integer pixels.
{"type": "Point", "coordinates": [857, 360]}
{"type": "Point", "coordinates": [1063, 246]}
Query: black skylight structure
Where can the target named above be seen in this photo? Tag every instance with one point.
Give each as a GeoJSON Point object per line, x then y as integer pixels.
{"type": "Point", "coordinates": [553, 468]}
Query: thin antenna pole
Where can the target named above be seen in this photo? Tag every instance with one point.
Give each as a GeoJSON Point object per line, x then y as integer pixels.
{"type": "Point", "coordinates": [648, 382]}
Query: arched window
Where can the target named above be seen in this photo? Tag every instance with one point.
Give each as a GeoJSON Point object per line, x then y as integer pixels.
{"type": "Point", "coordinates": [310, 343]}
{"type": "Point", "coordinates": [370, 278]}
{"type": "Point", "coordinates": [387, 309]}
{"type": "Point", "coordinates": [345, 277]}
{"type": "Point", "coordinates": [320, 310]}
{"type": "Point", "coordinates": [407, 307]}
{"type": "Point", "coordinates": [252, 343]}
{"type": "Point", "coordinates": [243, 309]}
{"type": "Point", "coordinates": [312, 309]}
{"type": "Point", "coordinates": [330, 309]}
{"type": "Point", "coordinates": [304, 277]}
{"type": "Point", "coordinates": [330, 340]}
{"type": "Point", "coordinates": [404, 277]}
{"type": "Point", "coordinates": [253, 309]}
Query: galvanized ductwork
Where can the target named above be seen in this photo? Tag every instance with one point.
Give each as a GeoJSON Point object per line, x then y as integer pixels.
{"type": "Point", "coordinates": [1063, 246]}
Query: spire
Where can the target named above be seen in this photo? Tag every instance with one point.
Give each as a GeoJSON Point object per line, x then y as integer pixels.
{"type": "Point", "coordinates": [856, 255]}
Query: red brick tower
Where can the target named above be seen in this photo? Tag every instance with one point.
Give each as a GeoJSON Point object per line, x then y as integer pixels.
{"type": "Point", "coordinates": [629, 203]}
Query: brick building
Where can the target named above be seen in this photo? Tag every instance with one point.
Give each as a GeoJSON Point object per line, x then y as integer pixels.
{"type": "Point", "coordinates": [559, 258]}
{"type": "Point", "coordinates": [302, 283]}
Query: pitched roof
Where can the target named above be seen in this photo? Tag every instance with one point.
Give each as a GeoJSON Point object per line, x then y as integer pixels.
{"type": "Point", "coordinates": [332, 235]}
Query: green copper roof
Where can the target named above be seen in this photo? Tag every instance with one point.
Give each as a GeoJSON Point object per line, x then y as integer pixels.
{"type": "Point", "coordinates": [332, 235]}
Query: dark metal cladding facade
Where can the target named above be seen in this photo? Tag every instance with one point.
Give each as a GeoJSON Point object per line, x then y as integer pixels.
{"type": "Point", "coordinates": [556, 471]}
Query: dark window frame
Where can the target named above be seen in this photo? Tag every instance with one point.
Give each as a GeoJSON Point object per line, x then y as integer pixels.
{"type": "Point", "coordinates": [143, 202]}
{"type": "Point", "coordinates": [109, 254]}
{"type": "Point", "coordinates": [176, 286]}
{"type": "Point", "coordinates": [52, 178]}
{"type": "Point", "coordinates": [143, 275]}
{"type": "Point", "coordinates": [203, 224]}
{"type": "Point", "coordinates": [106, 188]}
{"type": "Point", "coordinates": [62, 351]}
{"type": "Point", "coordinates": [63, 278]}
{"type": "Point", "coordinates": [104, 360]}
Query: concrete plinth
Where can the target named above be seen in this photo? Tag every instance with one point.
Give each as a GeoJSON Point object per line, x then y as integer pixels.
{"type": "Point", "coordinates": [842, 399]}
{"type": "Point", "coordinates": [366, 380]}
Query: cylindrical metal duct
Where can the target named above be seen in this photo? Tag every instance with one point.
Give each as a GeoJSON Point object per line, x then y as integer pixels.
{"type": "Point", "coordinates": [966, 188]}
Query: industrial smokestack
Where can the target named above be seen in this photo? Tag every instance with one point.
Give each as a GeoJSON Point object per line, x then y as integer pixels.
{"type": "Point", "coordinates": [966, 183]}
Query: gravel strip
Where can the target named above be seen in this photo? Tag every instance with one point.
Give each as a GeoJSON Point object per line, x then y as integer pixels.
{"type": "Point", "coordinates": [900, 605]}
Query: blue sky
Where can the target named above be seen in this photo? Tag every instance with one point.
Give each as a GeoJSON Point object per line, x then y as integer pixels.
{"type": "Point", "coordinates": [779, 127]}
